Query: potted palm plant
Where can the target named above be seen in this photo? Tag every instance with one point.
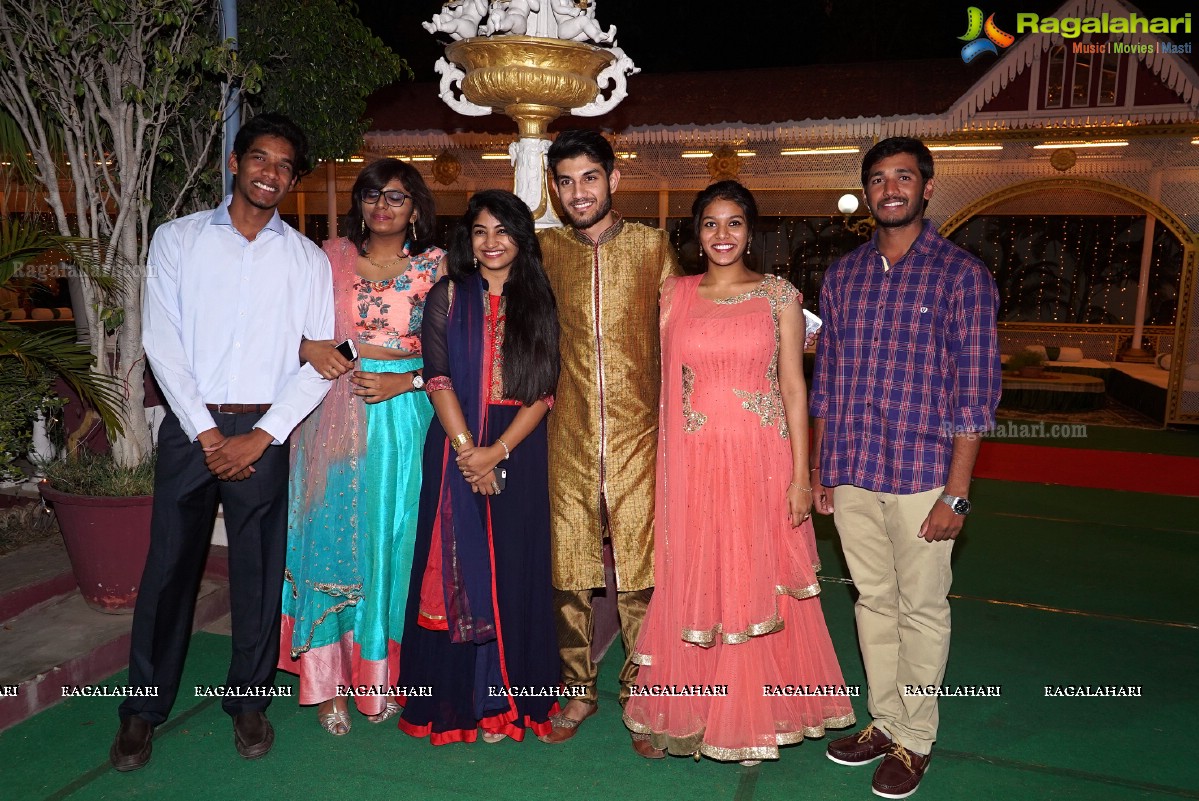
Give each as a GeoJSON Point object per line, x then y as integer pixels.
{"type": "Point", "coordinates": [29, 361]}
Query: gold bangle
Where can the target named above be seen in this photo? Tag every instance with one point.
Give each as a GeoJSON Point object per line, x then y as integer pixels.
{"type": "Point", "coordinates": [460, 440]}
{"type": "Point", "coordinates": [801, 489]}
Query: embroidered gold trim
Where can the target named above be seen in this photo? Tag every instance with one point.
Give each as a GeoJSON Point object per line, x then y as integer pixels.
{"type": "Point", "coordinates": [332, 610]}
{"type": "Point", "coordinates": [768, 406]}
{"type": "Point", "coordinates": [707, 638]}
{"type": "Point", "coordinates": [692, 744]}
{"type": "Point", "coordinates": [693, 420]}
{"type": "Point", "coordinates": [810, 591]}
{"type": "Point", "coordinates": [638, 658]}
{"type": "Point", "coordinates": [496, 391]}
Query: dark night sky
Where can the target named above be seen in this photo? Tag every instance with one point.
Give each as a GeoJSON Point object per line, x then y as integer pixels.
{"type": "Point", "coordinates": [709, 35]}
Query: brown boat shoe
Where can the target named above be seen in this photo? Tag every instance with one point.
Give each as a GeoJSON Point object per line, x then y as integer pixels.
{"type": "Point", "coordinates": [899, 775]}
{"type": "Point", "coordinates": [859, 748]}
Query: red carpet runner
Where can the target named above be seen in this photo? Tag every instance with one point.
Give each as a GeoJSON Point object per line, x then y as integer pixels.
{"type": "Point", "coordinates": [1075, 467]}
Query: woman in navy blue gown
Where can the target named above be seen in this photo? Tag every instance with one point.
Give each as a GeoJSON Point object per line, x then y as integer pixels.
{"type": "Point", "coordinates": [480, 650]}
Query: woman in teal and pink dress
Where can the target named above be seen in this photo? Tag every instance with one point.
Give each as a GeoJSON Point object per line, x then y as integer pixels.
{"type": "Point", "coordinates": [735, 612]}
{"type": "Point", "coordinates": [356, 477]}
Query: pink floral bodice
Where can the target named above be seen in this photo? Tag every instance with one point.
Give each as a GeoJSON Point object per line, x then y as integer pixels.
{"type": "Point", "coordinates": [389, 313]}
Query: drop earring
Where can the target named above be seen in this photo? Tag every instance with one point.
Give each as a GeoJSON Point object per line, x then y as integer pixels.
{"type": "Point", "coordinates": [410, 238]}
{"type": "Point", "coordinates": [476, 262]}
{"type": "Point", "coordinates": [748, 245]}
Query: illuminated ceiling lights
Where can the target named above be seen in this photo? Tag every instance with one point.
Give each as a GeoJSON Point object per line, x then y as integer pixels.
{"type": "Point", "coordinates": [707, 154]}
{"type": "Point", "coordinates": [626, 154]}
{"type": "Point", "coordinates": [817, 151]}
{"type": "Point", "coordinates": [964, 147]}
{"type": "Point", "coordinates": [1077, 145]}
{"type": "Point", "coordinates": [418, 157]}
{"type": "Point", "coordinates": [495, 157]}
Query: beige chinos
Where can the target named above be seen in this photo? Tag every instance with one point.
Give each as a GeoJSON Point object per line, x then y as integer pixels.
{"type": "Point", "coordinates": [902, 610]}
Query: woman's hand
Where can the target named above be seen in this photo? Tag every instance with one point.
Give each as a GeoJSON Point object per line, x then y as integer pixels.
{"type": "Point", "coordinates": [378, 387]}
{"type": "Point", "coordinates": [477, 465]}
{"type": "Point", "coordinates": [324, 358]}
{"type": "Point", "coordinates": [799, 505]}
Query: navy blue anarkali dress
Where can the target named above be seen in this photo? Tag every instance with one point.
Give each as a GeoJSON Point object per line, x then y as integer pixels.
{"type": "Point", "coordinates": [480, 649]}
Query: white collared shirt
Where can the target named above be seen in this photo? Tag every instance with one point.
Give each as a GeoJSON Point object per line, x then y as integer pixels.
{"type": "Point", "coordinates": [222, 318]}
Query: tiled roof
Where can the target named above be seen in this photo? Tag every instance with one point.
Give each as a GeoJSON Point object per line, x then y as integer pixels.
{"type": "Point", "coordinates": [750, 97]}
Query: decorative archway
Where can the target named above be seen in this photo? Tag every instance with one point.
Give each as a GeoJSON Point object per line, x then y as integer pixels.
{"type": "Point", "coordinates": [1182, 398]}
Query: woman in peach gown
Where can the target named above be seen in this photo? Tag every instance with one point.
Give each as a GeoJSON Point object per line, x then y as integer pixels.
{"type": "Point", "coordinates": [735, 656]}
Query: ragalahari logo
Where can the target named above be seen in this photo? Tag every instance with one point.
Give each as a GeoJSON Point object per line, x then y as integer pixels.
{"type": "Point", "coordinates": [975, 27]}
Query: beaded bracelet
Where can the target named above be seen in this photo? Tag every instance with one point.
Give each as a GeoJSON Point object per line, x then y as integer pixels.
{"type": "Point", "coordinates": [504, 445]}
{"type": "Point", "coordinates": [801, 489]}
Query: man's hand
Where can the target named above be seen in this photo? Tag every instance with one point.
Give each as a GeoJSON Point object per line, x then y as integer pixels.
{"type": "Point", "coordinates": [822, 496]}
{"type": "Point", "coordinates": [233, 458]}
{"type": "Point", "coordinates": [323, 356]}
{"type": "Point", "coordinates": [941, 523]}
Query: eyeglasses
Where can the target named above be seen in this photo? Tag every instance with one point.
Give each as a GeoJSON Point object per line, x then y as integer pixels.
{"type": "Point", "coordinates": [394, 197]}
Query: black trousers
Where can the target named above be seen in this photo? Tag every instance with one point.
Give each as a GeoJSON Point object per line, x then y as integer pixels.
{"type": "Point", "coordinates": [185, 501]}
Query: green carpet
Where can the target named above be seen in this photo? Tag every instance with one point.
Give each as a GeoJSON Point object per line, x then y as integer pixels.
{"type": "Point", "coordinates": [1109, 570]}
{"type": "Point", "coordinates": [1169, 442]}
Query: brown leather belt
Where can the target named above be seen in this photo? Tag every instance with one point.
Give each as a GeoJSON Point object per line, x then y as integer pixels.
{"type": "Point", "coordinates": [238, 408]}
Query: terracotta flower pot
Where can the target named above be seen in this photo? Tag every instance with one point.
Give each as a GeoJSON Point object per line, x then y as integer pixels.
{"type": "Point", "coordinates": [107, 540]}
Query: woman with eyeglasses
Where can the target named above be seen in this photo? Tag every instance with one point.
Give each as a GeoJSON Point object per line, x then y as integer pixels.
{"type": "Point", "coordinates": [356, 460]}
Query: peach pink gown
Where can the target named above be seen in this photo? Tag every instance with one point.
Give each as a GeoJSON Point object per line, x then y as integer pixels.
{"type": "Point", "coordinates": [735, 656]}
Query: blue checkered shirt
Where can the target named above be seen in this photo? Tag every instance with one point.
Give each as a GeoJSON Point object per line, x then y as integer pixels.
{"type": "Point", "coordinates": [908, 356]}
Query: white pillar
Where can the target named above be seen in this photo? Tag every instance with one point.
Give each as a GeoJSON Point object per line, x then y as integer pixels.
{"type": "Point", "coordinates": [527, 155]}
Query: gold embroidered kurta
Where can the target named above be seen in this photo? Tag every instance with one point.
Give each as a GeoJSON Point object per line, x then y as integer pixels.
{"type": "Point", "coordinates": [603, 432]}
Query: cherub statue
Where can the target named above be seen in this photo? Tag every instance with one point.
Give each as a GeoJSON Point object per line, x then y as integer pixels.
{"type": "Point", "coordinates": [459, 18]}
{"type": "Point", "coordinates": [510, 16]}
{"type": "Point", "coordinates": [576, 21]}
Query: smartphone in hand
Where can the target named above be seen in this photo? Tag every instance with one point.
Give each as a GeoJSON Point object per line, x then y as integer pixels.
{"type": "Point", "coordinates": [500, 477]}
{"type": "Point", "coordinates": [348, 350]}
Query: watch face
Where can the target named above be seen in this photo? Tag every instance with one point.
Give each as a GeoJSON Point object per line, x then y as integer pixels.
{"type": "Point", "coordinates": [961, 506]}
{"type": "Point", "coordinates": [417, 382]}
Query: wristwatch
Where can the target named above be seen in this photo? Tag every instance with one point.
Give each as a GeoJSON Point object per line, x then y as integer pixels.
{"type": "Point", "coordinates": [418, 381]}
{"type": "Point", "coordinates": [960, 506]}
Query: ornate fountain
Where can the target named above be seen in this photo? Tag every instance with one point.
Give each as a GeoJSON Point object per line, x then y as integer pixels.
{"type": "Point", "coordinates": [532, 60]}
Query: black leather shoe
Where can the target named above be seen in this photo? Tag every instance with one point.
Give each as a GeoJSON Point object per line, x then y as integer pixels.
{"type": "Point", "coordinates": [253, 734]}
{"type": "Point", "coordinates": [132, 745]}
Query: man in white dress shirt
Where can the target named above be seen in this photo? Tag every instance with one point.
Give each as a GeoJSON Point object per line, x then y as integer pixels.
{"type": "Point", "coordinates": [229, 295]}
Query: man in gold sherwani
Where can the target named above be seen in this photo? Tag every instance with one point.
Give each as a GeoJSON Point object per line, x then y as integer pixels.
{"type": "Point", "coordinates": [606, 275]}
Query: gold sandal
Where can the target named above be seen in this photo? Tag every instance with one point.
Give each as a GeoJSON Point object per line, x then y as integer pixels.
{"type": "Point", "coordinates": [336, 722]}
{"type": "Point", "coordinates": [389, 711]}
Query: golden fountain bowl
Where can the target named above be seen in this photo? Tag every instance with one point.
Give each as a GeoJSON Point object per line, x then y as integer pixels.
{"type": "Point", "coordinates": [531, 79]}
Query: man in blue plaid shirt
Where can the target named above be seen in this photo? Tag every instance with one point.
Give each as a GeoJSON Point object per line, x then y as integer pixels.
{"type": "Point", "coordinates": [907, 376]}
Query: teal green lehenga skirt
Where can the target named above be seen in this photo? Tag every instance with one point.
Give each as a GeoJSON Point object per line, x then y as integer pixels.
{"type": "Point", "coordinates": [349, 555]}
